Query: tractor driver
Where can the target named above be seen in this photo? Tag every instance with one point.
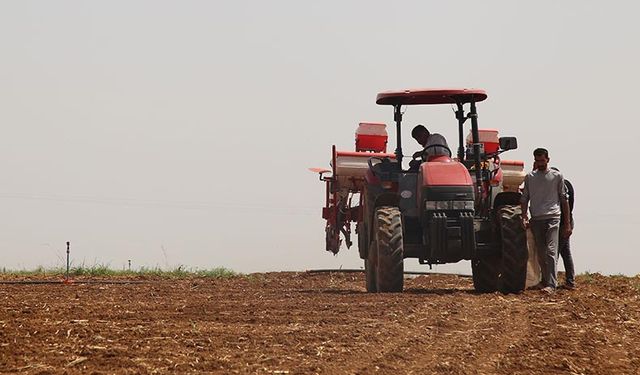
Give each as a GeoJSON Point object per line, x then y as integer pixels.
{"type": "Point", "coordinates": [432, 143]}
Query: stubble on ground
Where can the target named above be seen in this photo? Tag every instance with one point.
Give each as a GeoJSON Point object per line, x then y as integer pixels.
{"type": "Point", "coordinates": [302, 323]}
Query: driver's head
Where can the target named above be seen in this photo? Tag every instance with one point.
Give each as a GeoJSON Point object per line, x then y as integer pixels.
{"type": "Point", "coordinates": [420, 134]}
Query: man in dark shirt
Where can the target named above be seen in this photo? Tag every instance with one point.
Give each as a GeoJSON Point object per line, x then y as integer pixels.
{"type": "Point", "coordinates": [564, 245]}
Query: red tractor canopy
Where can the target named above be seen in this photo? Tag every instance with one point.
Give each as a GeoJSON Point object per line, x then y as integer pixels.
{"type": "Point", "coordinates": [431, 96]}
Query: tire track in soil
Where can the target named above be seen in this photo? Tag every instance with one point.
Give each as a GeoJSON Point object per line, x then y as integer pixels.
{"type": "Point", "coordinates": [580, 333]}
{"type": "Point", "coordinates": [453, 340]}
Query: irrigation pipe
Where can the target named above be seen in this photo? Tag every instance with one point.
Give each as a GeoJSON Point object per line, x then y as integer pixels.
{"type": "Point", "coordinates": [345, 270]}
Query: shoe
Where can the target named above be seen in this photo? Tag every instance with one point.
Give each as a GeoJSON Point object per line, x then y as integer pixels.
{"type": "Point", "coordinates": [547, 290]}
{"type": "Point", "coordinates": [538, 286]}
{"type": "Point", "coordinates": [569, 286]}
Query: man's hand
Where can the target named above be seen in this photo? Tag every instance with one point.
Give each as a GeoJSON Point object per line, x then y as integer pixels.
{"type": "Point", "coordinates": [567, 231]}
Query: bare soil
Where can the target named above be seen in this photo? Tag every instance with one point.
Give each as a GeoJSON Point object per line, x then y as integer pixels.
{"type": "Point", "coordinates": [305, 323]}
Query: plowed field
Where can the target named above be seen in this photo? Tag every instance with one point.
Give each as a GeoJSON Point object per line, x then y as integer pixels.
{"type": "Point", "coordinates": [305, 323]}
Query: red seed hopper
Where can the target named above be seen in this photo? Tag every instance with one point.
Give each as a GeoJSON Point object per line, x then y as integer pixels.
{"type": "Point", "coordinates": [348, 173]}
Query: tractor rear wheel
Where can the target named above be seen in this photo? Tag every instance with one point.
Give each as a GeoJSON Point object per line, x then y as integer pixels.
{"type": "Point", "coordinates": [370, 268]}
{"type": "Point", "coordinates": [513, 273]}
{"type": "Point", "coordinates": [390, 251]}
{"type": "Point", "coordinates": [370, 276]}
{"type": "Point", "coordinates": [369, 253]}
{"type": "Point", "coordinates": [486, 273]}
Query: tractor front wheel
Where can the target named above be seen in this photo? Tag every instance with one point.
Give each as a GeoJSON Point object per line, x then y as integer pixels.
{"type": "Point", "coordinates": [486, 273]}
{"type": "Point", "coordinates": [370, 275]}
{"type": "Point", "coordinates": [513, 273]}
{"type": "Point", "coordinates": [389, 273]}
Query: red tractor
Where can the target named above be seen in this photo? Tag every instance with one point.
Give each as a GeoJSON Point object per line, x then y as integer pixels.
{"type": "Point", "coordinates": [443, 210]}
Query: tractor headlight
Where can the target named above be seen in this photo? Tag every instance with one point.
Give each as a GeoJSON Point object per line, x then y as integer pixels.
{"type": "Point", "coordinates": [449, 205]}
{"type": "Point", "coordinates": [443, 205]}
{"type": "Point", "coordinates": [438, 205]}
{"type": "Point", "coordinates": [462, 205]}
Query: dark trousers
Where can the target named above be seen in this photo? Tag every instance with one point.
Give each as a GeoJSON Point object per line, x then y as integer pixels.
{"type": "Point", "coordinates": [567, 260]}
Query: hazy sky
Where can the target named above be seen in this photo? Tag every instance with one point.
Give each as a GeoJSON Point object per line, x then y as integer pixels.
{"type": "Point", "coordinates": [179, 132]}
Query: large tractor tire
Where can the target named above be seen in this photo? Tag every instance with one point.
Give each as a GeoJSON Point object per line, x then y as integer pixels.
{"type": "Point", "coordinates": [513, 272]}
{"type": "Point", "coordinates": [370, 276]}
{"type": "Point", "coordinates": [371, 268]}
{"type": "Point", "coordinates": [390, 251]}
{"type": "Point", "coordinates": [486, 272]}
{"type": "Point", "coordinates": [369, 252]}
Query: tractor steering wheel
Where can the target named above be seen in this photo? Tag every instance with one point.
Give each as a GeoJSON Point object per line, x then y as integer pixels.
{"type": "Point", "coordinates": [421, 154]}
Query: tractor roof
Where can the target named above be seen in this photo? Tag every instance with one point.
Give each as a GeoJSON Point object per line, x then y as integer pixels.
{"type": "Point", "coordinates": [431, 96]}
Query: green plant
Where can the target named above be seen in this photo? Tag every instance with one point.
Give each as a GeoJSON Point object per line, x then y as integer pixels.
{"type": "Point", "coordinates": [103, 270]}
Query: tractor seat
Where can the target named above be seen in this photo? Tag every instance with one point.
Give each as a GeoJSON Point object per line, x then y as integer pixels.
{"type": "Point", "coordinates": [439, 159]}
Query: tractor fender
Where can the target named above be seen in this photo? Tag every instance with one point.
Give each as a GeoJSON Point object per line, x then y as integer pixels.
{"type": "Point", "coordinates": [387, 199]}
{"type": "Point", "coordinates": [507, 198]}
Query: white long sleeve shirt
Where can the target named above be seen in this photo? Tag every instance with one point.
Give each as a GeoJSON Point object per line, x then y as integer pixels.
{"type": "Point", "coordinates": [544, 191]}
{"type": "Point", "coordinates": [436, 139]}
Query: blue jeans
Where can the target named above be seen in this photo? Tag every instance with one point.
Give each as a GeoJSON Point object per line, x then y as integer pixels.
{"type": "Point", "coordinates": [546, 236]}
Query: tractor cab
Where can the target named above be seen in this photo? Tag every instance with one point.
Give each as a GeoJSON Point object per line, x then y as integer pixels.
{"type": "Point", "coordinates": [479, 151]}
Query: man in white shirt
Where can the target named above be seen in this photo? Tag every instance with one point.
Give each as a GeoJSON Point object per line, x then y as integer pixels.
{"type": "Point", "coordinates": [432, 143]}
{"type": "Point", "coordinates": [545, 196]}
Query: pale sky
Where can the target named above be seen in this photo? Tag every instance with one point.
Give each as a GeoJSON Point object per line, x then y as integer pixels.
{"type": "Point", "coordinates": [180, 132]}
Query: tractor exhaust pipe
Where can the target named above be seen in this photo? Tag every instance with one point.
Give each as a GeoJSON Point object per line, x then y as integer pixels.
{"type": "Point", "coordinates": [397, 117]}
{"type": "Point", "coordinates": [476, 145]}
